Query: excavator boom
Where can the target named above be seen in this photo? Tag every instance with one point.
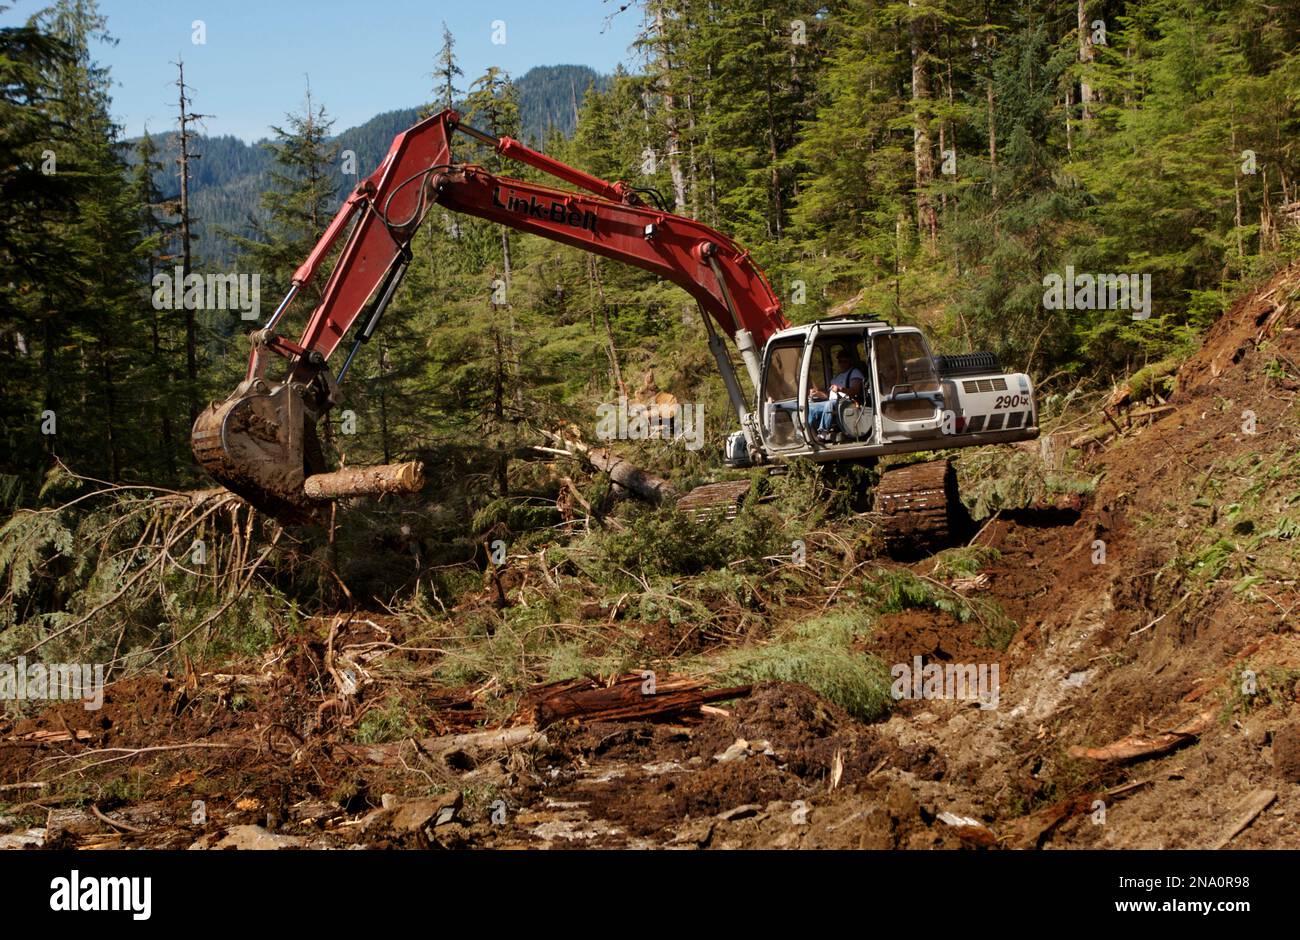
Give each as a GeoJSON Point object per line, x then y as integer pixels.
{"type": "Point", "coordinates": [261, 442]}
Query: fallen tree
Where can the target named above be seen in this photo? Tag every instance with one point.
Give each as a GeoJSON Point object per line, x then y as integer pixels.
{"type": "Point", "coordinates": [623, 473]}
{"type": "Point", "coordinates": [633, 695]}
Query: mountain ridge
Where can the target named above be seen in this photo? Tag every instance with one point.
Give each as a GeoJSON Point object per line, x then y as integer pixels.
{"type": "Point", "coordinates": [226, 182]}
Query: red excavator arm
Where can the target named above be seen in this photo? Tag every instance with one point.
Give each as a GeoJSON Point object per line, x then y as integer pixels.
{"type": "Point", "coordinates": [261, 441]}
{"type": "Point", "coordinates": [613, 222]}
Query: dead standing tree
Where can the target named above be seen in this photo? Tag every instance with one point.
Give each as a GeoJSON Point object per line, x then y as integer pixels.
{"type": "Point", "coordinates": [185, 119]}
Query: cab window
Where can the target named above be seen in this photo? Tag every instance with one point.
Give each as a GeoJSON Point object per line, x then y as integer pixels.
{"type": "Point", "coordinates": [887, 368]}
{"type": "Point", "coordinates": [918, 367]}
{"type": "Point", "coordinates": [817, 375]}
{"type": "Point", "coordinates": [782, 379]}
{"type": "Point", "coordinates": [902, 359]}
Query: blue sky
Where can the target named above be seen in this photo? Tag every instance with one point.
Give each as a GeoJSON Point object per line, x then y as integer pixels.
{"type": "Point", "coordinates": [362, 56]}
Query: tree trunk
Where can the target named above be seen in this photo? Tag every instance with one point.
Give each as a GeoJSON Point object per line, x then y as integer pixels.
{"type": "Point", "coordinates": [169, 444]}
{"type": "Point", "coordinates": [191, 327]}
{"type": "Point", "coordinates": [649, 487]}
{"type": "Point", "coordinates": [110, 411]}
{"type": "Point", "coordinates": [670, 117]}
{"type": "Point", "coordinates": [926, 220]}
{"type": "Point", "coordinates": [1236, 194]}
{"type": "Point", "coordinates": [1085, 58]}
{"type": "Point", "coordinates": [616, 374]}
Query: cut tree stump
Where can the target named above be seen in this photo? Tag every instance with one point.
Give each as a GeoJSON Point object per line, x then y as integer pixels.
{"type": "Point", "coordinates": [625, 697]}
{"type": "Point", "coordinates": [366, 481]}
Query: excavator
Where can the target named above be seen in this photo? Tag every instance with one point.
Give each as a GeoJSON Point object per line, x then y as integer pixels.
{"type": "Point", "coordinates": [262, 443]}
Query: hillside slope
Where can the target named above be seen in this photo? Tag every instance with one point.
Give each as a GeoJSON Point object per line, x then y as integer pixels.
{"type": "Point", "coordinates": [1196, 593]}
{"type": "Point", "coordinates": [1147, 698]}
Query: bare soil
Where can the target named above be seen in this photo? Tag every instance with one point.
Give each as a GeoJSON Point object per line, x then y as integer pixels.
{"type": "Point", "coordinates": [1103, 651]}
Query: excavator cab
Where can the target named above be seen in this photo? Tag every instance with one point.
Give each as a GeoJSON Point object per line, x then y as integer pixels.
{"type": "Point", "coordinates": [912, 400]}
{"type": "Point", "coordinates": [803, 361]}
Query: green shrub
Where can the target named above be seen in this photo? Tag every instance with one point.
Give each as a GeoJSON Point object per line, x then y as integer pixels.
{"type": "Point", "coordinates": [820, 654]}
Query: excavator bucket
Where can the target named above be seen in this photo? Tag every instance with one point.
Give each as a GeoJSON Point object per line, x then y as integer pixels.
{"type": "Point", "coordinates": [261, 444]}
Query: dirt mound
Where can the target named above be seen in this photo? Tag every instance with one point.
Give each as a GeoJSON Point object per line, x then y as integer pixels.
{"type": "Point", "coordinates": [1252, 320]}
{"type": "Point", "coordinates": [1170, 596]}
{"type": "Point", "coordinates": [933, 635]}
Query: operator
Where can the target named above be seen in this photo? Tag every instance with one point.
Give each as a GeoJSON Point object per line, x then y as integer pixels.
{"type": "Point", "coordinates": [847, 383]}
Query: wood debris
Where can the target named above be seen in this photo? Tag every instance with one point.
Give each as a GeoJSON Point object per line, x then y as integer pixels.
{"type": "Point", "coordinates": [1137, 747]}
{"type": "Point", "coordinates": [1255, 804]}
{"type": "Point", "coordinates": [634, 695]}
{"type": "Point", "coordinates": [45, 736]}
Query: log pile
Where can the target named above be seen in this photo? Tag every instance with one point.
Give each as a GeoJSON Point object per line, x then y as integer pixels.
{"type": "Point", "coordinates": [631, 696]}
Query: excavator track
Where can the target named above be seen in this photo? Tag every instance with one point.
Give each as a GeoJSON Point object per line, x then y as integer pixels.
{"type": "Point", "coordinates": [720, 501]}
{"type": "Point", "coordinates": [918, 507]}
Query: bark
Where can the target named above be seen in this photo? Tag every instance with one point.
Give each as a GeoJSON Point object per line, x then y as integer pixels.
{"type": "Point", "coordinates": [627, 698]}
{"type": "Point", "coordinates": [1086, 96]}
{"type": "Point", "coordinates": [926, 220]}
{"type": "Point", "coordinates": [1137, 747]}
{"type": "Point", "coordinates": [366, 481]}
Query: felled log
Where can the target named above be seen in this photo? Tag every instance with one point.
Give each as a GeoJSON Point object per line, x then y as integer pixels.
{"type": "Point", "coordinates": [1145, 383]}
{"type": "Point", "coordinates": [475, 746]}
{"type": "Point", "coordinates": [646, 485]}
{"type": "Point", "coordinates": [366, 481]}
{"type": "Point", "coordinates": [623, 473]}
{"type": "Point", "coordinates": [627, 697]}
